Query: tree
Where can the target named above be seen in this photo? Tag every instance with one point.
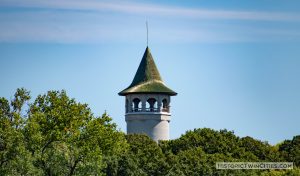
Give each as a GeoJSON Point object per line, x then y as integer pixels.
{"type": "Point", "coordinates": [196, 152]}
{"type": "Point", "coordinates": [144, 157]}
{"type": "Point", "coordinates": [292, 172]}
{"type": "Point", "coordinates": [65, 137]}
{"type": "Point", "coordinates": [262, 150]}
{"type": "Point", "coordinates": [209, 140]}
{"type": "Point", "coordinates": [290, 150]}
{"type": "Point", "coordinates": [14, 157]}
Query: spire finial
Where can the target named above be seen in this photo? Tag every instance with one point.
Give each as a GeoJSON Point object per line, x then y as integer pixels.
{"type": "Point", "coordinates": [147, 31]}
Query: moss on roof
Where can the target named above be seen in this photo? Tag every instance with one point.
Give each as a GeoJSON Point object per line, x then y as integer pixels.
{"type": "Point", "coordinates": [147, 78]}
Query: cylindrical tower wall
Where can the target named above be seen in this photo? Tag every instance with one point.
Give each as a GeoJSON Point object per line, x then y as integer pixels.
{"type": "Point", "coordinates": [156, 126]}
{"type": "Point", "coordinates": [155, 129]}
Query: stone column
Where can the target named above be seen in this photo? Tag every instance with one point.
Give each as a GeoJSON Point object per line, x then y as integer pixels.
{"type": "Point", "coordinates": [159, 105]}
{"type": "Point", "coordinates": [143, 99]}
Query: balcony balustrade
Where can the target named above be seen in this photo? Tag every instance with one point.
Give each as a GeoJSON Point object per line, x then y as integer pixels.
{"type": "Point", "coordinates": [134, 110]}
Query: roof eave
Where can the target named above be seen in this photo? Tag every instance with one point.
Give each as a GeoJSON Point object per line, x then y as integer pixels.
{"type": "Point", "coordinates": [127, 93]}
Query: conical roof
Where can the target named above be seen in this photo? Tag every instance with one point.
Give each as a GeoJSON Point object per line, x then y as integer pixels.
{"type": "Point", "coordinates": [147, 78]}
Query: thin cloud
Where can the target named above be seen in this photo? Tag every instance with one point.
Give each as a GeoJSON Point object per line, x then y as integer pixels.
{"type": "Point", "coordinates": [89, 22]}
{"type": "Point", "coordinates": [61, 32]}
{"type": "Point", "coordinates": [151, 9]}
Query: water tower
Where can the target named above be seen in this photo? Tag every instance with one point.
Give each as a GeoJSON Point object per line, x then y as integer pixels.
{"type": "Point", "coordinates": [147, 101]}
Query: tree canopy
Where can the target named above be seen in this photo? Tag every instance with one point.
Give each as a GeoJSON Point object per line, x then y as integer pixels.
{"type": "Point", "coordinates": [56, 135]}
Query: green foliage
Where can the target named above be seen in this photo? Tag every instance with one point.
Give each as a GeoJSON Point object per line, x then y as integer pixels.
{"type": "Point", "coordinates": [290, 150]}
{"type": "Point", "coordinates": [196, 162]}
{"type": "Point", "coordinates": [262, 150]}
{"type": "Point", "coordinates": [15, 159]}
{"type": "Point", "coordinates": [209, 140]}
{"type": "Point", "coordinates": [55, 135]}
{"type": "Point", "coordinates": [196, 152]}
{"type": "Point", "coordinates": [293, 172]}
{"type": "Point", "coordinates": [144, 157]}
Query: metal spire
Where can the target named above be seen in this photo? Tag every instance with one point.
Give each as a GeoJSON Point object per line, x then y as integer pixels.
{"type": "Point", "coordinates": [147, 31]}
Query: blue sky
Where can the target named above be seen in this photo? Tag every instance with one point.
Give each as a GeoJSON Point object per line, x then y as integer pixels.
{"type": "Point", "coordinates": [234, 64]}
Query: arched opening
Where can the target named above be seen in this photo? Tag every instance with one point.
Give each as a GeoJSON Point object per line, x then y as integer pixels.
{"type": "Point", "coordinates": [165, 105]}
{"type": "Point", "coordinates": [151, 105]}
{"type": "Point", "coordinates": [137, 105]}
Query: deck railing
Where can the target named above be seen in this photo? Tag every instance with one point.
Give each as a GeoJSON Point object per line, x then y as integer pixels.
{"type": "Point", "coordinates": [133, 110]}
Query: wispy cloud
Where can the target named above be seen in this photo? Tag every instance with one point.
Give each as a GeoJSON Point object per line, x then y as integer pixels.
{"type": "Point", "coordinates": [75, 21]}
{"type": "Point", "coordinates": [151, 9]}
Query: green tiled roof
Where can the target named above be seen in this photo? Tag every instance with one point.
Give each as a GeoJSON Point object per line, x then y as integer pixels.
{"type": "Point", "coordinates": [147, 78]}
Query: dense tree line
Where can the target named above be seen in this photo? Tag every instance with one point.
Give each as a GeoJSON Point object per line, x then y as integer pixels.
{"type": "Point", "coordinates": [55, 135]}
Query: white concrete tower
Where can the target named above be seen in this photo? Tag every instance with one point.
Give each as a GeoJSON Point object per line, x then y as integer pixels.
{"type": "Point", "coordinates": [147, 102]}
